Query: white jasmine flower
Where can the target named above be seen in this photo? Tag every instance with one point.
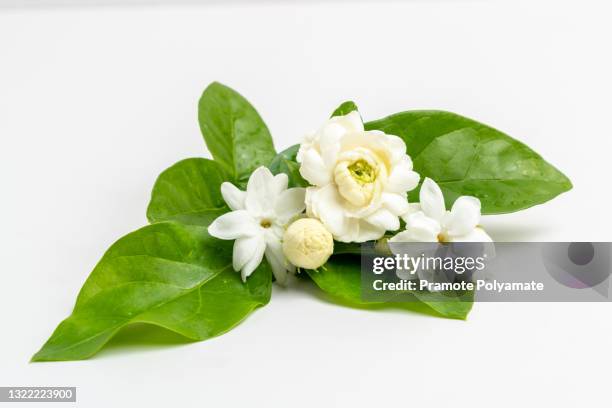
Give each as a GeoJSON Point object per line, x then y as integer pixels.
{"type": "Point", "coordinates": [429, 221]}
{"type": "Point", "coordinates": [307, 243]}
{"type": "Point", "coordinates": [360, 178]}
{"type": "Point", "coordinates": [257, 221]}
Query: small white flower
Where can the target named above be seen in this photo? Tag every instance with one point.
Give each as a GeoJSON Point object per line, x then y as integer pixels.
{"type": "Point", "coordinates": [359, 178]}
{"type": "Point", "coordinates": [429, 221]}
{"type": "Point", "coordinates": [307, 243]}
{"type": "Point", "coordinates": [257, 221]}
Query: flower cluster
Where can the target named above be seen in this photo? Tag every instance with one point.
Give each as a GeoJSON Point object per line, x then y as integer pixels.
{"type": "Point", "coordinates": [307, 207]}
{"type": "Point", "coordinates": [358, 185]}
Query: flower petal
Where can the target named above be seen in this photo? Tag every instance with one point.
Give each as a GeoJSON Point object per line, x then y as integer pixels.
{"type": "Point", "coordinates": [329, 143]}
{"type": "Point", "coordinates": [260, 190]}
{"type": "Point", "coordinates": [402, 179]}
{"type": "Point", "coordinates": [419, 228]}
{"type": "Point", "coordinates": [463, 216]}
{"type": "Point", "coordinates": [372, 140]}
{"type": "Point", "coordinates": [331, 134]}
{"type": "Point", "coordinates": [255, 259]}
{"type": "Point", "coordinates": [307, 144]}
{"type": "Point", "coordinates": [397, 146]}
{"type": "Point", "coordinates": [384, 219]}
{"type": "Point", "coordinates": [412, 208]}
{"type": "Point", "coordinates": [432, 200]}
{"type": "Point", "coordinates": [329, 154]}
{"type": "Point", "coordinates": [233, 196]}
{"type": "Point", "coordinates": [277, 261]}
{"type": "Point", "coordinates": [313, 169]}
{"type": "Point", "coordinates": [396, 203]}
{"type": "Point", "coordinates": [280, 183]}
{"type": "Point", "coordinates": [351, 121]}
{"type": "Point", "coordinates": [233, 225]}
{"type": "Point", "coordinates": [338, 126]}
{"type": "Point", "coordinates": [351, 233]}
{"type": "Point", "coordinates": [368, 232]}
{"type": "Point", "coordinates": [476, 235]}
{"type": "Point", "coordinates": [326, 205]}
{"type": "Point", "coordinates": [244, 250]}
{"type": "Point", "coordinates": [289, 204]}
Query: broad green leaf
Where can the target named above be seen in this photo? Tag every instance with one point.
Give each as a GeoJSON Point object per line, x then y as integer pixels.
{"type": "Point", "coordinates": [167, 274]}
{"type": "Point", "coordinates": [189, 192]}
{"type": "Point", "coordinates": [234, 132]}
{"type": "Point", "coordinates": [285, 162]}
{"type": "Point", "coordinates": [344, 109]}
{"type": "Point", "coordinates": [341, 278]}
{"type": "Point", "coordinates": [217, 306]}
{"type": "Point", "coordinates": [466, 157]}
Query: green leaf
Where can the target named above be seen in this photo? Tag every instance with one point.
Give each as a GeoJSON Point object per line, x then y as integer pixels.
{"type": "Point", "coordinates": [456, 307]}
{"type": "Point", "coordinates": [285, 162]}
{"type": "Point", "coordinates": [234, 132]}
{"type": "Point", "coordinates": [341, 278]}
{"type": "Point", "coordinates": [344, 109]}
{"type": "Point", "coordinates": [167, 274]}
{"type": "Point", "coordinates": [466, 157]}
{"type": "Point", "coordinates": [189, 192]}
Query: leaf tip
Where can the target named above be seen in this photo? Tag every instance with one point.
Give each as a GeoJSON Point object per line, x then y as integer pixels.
{"type": "Point", "coordinates": [215, 84]}
{"type": "Point", "coordinates": [38, 356]}
{"type": "Point", "coordinates": [345, 108]}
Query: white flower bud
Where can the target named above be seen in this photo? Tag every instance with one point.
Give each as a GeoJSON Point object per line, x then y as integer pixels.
{"type": "Point", "coordinates": [307, 243]}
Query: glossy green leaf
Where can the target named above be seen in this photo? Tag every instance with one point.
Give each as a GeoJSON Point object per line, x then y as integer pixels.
{"type": "Point", "coordinates": [341, 278]}
{"type": "Point", "coordinates": [466, 157]}
{"type": "Point", "coordinates": [234, 132]}
{"type": "Point", "coordinates": [189, 192]}
{"type": "Point", "coordinates": [167, 274]}
{"type": "Point", "coordinates": [285, 162]}
{"type": "Point", "coordinates": [344, 109]}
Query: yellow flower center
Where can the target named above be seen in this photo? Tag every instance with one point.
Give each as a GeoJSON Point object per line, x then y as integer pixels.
{"type": "Point", "coordinates": [363, 172]}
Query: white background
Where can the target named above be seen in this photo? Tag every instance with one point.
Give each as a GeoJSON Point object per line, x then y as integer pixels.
{"type": "Point", "coordinates": [96, 101]}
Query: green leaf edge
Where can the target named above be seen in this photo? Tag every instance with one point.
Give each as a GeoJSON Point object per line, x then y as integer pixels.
{"type": "Point", "coordinates": [345, 108]}
{"type": "Point", "coordinates": [421, 305]}
{"type": "Point", "coordinates": [413, 195]}
{"type": "Point", "coordinates": [217, 211]}
{"type": "Point", "coordinates": [39, 356]}
{"type": "Point", "coordinates": [239, 179]}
